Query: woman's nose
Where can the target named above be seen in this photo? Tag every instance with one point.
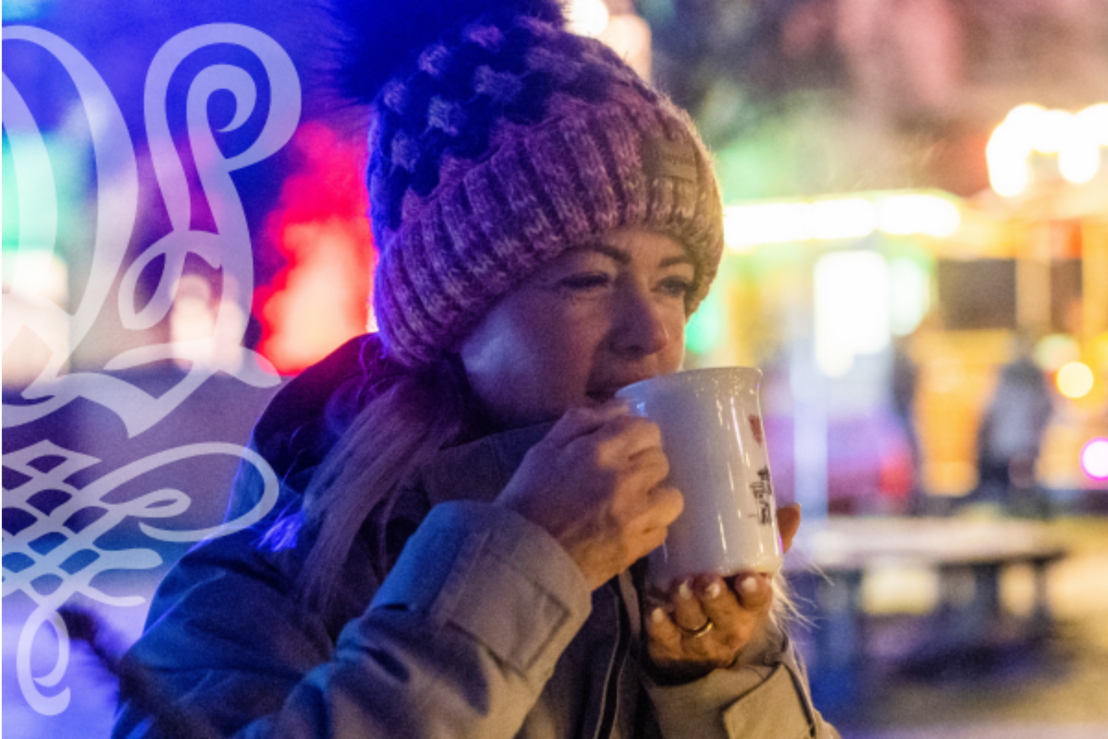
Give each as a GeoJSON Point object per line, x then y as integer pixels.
{"type": "Point", "coordinates": [640, 326]}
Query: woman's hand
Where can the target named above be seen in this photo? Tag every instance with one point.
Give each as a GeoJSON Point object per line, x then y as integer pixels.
{"type": "Point", "coordinates": [594, 483]}
{"type": "Point", "coordinates": [706, 621]}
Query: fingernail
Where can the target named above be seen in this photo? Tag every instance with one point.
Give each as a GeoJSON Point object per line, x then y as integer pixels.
{"type": "Point", "coordinates": [713, 589]}
{"type": "Point", "coordinates": [658, 616]}
{"type": "Point", "coordinates": [685, 591]}
{"type": "Point", "coordinates": [749, 584]}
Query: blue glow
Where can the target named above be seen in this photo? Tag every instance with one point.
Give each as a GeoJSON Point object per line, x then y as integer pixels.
{"type": "Point", "coordinates": [17, 10]}
{"type": "Point", "coordinates": [66, 179]}
{"type": "Point", "coordinates": [9, 215]}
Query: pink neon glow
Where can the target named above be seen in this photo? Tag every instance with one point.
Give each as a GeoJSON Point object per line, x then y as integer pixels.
{"type": "Point", "coordinates": [318, 300]}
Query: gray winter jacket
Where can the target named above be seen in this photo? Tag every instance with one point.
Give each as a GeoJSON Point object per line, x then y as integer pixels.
{"type": "Point", "coordinates": [483, 628]}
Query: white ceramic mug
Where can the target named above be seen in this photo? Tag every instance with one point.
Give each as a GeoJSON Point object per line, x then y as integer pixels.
{"type": "Point", "coordinates": [712, 433]}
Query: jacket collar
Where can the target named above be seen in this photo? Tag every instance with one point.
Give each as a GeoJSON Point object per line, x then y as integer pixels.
{"type": "Point", "coordinates": [480, 469]}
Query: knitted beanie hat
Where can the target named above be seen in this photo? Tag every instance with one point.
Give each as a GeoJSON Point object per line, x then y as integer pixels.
{"type": "Point", "coordinates": [502, 142]}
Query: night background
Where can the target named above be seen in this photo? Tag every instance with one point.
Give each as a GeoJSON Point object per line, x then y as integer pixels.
{"type": "Point", "coordinates": [916, 198]}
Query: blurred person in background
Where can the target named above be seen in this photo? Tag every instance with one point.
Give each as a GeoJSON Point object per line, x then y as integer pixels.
{"type": "Point", "coordinates": [457, 546]}
{"type": "Point", "coordinates": [1010, 435]}
{"type": "Point", "coordinates": [905, 382]}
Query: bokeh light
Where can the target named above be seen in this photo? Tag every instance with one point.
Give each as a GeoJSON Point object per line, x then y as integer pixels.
{"type": "Point", "coordinates": [25, 10]}
{"type": "Point", "coordinates": [745, 226]}
{"type": "Point", "coordinates": [851, 308]}
{"type": "Point", "coordinates": [1051, 130]}
{"type": "Point", "coordinates": [1054, 351]}
{"type": "Point", "coordinates": [844, 218]}
{"type": "Point", "coordinates": [1075, 380]}
{"type": "Point", "coordinates": [1007, 150]}
{"type": "Point", "coordinates": [587, 17]}
{"type": "Point", "coordinates": [903, 215]}
{"type": "Point", "coordinates": [909, 294]}
{"type": "Point", "coordinates": [1075, 138]}
{"type": "Point", "coordinates": [748, 225]}
{"type": "Point", "coordinates": [1094, 459]}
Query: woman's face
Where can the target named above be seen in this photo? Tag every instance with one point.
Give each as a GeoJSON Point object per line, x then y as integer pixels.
{"type": "Point", "coordinates": [598, 317]}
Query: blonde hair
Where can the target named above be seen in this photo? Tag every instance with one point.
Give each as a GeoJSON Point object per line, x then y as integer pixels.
{"type": "Point", "coordinates": [397, 431]}
{"type": "Point", "coordinates": [401, 428]}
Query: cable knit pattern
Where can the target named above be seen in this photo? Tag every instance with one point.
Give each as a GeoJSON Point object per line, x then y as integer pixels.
{"type": "Point", "coordinates": [506, 146]}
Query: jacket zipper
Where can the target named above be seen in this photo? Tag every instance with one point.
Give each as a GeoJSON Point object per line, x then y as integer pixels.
{"type": "Point", "coordinates": [610, 703]}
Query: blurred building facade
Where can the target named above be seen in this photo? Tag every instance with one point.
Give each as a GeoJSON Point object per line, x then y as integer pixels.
{"type": "Point", "coordinates": [830, 102]}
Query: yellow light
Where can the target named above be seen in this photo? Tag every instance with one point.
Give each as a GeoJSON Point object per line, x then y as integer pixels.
{"type": "Point", "coordinates": [1098, 351]}
{"type": "Point", "coordinates": [1054, 351]}
{"type": "Point", "coordinates": [1075, 380]}
{"type": "Point", "coordinates": [1093, 122]}
{"type": "Point", "coordinates": [745, 226]}
{"type": "Point", "coordinates": [835, 219]}
{"type": "Point", "coordinates": [1024, 118]}
{"type": "Point", "coordinates": [903, 215]}
{"type": "Point", "coordinates": [1006, 154]}
{"type": "Point", "coordinates": [1051, 129]}
{"type": "Point", "coordinates": [1075, 137]}
{"type": "Point", "coordinates": [1079, 160]}
{"type": "Point", "coordinates": [1079, 157]}
{"type": "Point", "coordinates": [847, 218]}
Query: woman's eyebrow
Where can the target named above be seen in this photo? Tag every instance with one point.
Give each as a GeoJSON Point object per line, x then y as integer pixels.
{"type": "Point", "coordinates": [677, 259]}
{"type": "Point", "coordinates": [623, 257]}
{"type": "Point", "coordinates": [616, 254]}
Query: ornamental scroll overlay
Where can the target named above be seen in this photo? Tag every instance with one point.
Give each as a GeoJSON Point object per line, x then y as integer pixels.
{"type": "Point", "coordinates": [50, 525]}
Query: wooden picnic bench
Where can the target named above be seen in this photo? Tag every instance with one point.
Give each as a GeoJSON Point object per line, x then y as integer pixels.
{"type": "Point", "coordinates": [833, 559]}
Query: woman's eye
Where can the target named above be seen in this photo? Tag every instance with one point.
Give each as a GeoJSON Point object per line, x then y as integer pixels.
{"type": "Point", "coordinates": [585, 282]}
{"type": "Point", "coordinates": [677, 287]}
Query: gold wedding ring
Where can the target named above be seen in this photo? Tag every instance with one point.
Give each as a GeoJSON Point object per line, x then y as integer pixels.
{"type": "Point", "coordinates": [697, 633]}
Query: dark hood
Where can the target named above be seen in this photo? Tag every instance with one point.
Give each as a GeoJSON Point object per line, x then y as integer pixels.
{"type": "Point", "coordinates": [307, 416]}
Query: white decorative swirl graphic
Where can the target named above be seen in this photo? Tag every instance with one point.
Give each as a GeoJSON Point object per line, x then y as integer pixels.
{"type": "Point", "coordinates": [50, 551]}
{"type": "Point", "coordinates": [228, 249]}
{"type": "Point", "coordinates": [52, 554]}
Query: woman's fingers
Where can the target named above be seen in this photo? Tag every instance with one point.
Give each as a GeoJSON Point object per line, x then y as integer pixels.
{"type": "Point", "coordinates": [595, 484]}
{"type": "Point", "coordinates": [706, 621]}
{"type": "Point", "coordinates": [620, 439]}
{"type": "Point", "coordinates": [687, 610]}
{"type": "Point", "coordinates": [578, 422]}
{"type": "Point", "coordinates": [663, 633]}
{"type": "Point", "coordinates": [735, 611]}
{"type": "Point", "coordinates": [648, 468]}
{"type": "Point", "coordinates": [667, 504]}
{"type": "Point", "coordinates": [682, 651]}
{"type": "Point", "coordinates": [754, 591]}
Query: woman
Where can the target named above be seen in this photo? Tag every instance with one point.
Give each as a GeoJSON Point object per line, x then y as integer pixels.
{"type": "Point", "coordinates": [463, 502]}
